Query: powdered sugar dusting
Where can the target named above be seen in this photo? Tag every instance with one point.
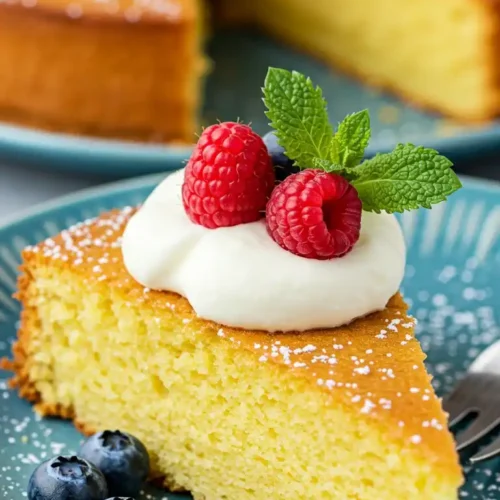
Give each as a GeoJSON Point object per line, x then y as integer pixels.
{"type": "Point", "coordinates": [133, 11]}
{"type": "Point", "coordinates": [78, 244]}
{"type": "Point", "coordinates": [369, 379]}
{"type": "Point", "coordinates": [361, 367]}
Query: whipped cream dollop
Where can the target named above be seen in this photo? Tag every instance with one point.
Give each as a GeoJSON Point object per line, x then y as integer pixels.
{"type": "Point", "coordinates": [239, 276]}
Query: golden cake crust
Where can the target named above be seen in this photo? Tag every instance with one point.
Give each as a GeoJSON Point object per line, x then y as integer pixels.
{"type": "Point", "coordinates": [374, 364]}
{"type": "Point", "coordinates": [123, 69]}
{"type": "Point", "coordinates": [169, 13]}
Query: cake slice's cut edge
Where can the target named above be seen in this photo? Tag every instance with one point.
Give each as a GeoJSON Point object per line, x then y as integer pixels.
{"type": "Point", "coordinates": [69, 308]}
{"type": "Point", "coordinates": [383, 50]}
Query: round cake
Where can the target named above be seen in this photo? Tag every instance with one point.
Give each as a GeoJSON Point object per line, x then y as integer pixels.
{"type": "Point", "coordinates": [122, 69]}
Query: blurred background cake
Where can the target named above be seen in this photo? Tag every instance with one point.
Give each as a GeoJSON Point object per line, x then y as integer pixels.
{"type": "Point", "coordinates": [135, 69]}
{"type": "Point", "coordinates": [111, 69]}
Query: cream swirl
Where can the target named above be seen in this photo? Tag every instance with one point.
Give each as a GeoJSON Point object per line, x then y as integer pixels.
{"type": "Point", "coordinates": [238, 276]}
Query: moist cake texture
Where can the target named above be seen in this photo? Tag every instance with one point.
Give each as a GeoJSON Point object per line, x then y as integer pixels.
{"type": "Point", "coordinates": [440, 55]}
{"type": "Point", "coordinates": [344, 413]}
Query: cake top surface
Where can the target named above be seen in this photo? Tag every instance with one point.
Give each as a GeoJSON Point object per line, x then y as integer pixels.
{"type": "Point", "coordinates": [132, 11]}
{"type": "Point", "coordinates": [373, 365]}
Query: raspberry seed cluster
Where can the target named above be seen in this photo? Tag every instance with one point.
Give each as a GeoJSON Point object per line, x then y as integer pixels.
{"type": "Point", "coordinates": [314, 214]}
{"type": "Point", "coordinates": [229, 177]}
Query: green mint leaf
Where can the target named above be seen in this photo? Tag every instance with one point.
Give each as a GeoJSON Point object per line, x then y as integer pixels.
{"type": "Point", "coordinates": [409, 177]}
{"type": "Point", "coordinates": [329, 167]}
{"type": "Point", "coordinates": [334, 151]}
{"type": "Point", "coordinates": [326, 165]}
{"type": "Point", "coordinates": [353, 136]}
{"type": "Point", "coordinates": [298, 113]}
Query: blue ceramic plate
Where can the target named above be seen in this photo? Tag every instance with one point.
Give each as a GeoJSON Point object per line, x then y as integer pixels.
{"type": "Point", "coordinates": [452, 283]}
{"type": "Point", "coordinates": [233, 91]}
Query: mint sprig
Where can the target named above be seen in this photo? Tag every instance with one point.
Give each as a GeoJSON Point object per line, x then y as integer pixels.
{"type": "Point", "coordinates": [348, 172]}
{"type": "Point", "coordinates": [298, 113]}
{"type": "Point", "coordinates": [353, 136]}
{"type": "Point", "coordinates": [334, 153]}
{"type": "Point", "coordinates": [407, 178]}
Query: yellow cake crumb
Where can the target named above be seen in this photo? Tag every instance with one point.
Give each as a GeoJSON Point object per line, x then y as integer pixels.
{"type": "Point", "coordinates": [345, 413]}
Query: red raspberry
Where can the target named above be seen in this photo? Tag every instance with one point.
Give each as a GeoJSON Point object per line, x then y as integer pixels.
{"type": "Point", "coordinates": [314, 214]}
{"type": "Point", "coordinates": [228, 178]}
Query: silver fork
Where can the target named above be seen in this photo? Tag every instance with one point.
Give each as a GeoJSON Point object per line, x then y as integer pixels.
{"type": "Point", "coordinates": [478, 394]}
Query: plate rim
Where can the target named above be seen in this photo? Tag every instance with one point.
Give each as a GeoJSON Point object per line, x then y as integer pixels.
{"type": "Point", "coordinates": [20, 141]}
{"type": "Point", "coordinates": [115, 187]}
{"type": "Point", "coordinates": [47, 141]}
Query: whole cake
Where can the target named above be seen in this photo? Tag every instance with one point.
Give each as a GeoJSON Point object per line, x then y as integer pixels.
{"type": "Point", "coordinates": [134, 69]}
{"type": "Point", "coordinates": [250, 332]}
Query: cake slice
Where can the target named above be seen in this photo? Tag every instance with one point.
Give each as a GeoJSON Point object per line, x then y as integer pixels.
{"type": "Point", "coordinates": [342, 413]}
{"type": "Point", "coordinates": [285, 366]}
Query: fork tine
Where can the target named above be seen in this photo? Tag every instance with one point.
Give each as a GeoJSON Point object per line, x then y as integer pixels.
{"type": "Point", "coordinates": [459, 403]}
{"type": "Point", "coordinates": [457, 411]}
{"type": "Point", "coordinates": [487, 452]}
{"type": "Point", "coordinates": [485, 423]}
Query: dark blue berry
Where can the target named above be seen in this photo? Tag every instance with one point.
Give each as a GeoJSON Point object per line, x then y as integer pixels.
{"type": "Point", "coordinates": [121, 498]}
{"type": "Point", "coordinates": [122, 459]}
{"type": "Point", "coordinates": [283, 166]}
{"type": "Point", "coordinates": [67, 478]}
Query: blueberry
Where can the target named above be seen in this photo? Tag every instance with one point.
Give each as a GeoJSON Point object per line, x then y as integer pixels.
{"type": "Point", "coordinates": [67, 478]}
{"type": "Point", "coordinates": [283, 166]}
{"type": "Point", "coordinates": [122, 459]}
{"type": "Point", "coordinates": [121, 498]}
